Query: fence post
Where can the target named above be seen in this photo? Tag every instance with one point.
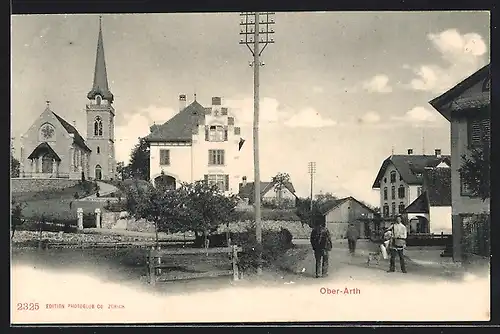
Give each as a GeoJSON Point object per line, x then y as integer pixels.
{"type": "Point", "coordinates": [79, 213]}
{"type": "Point", "coordinates": [151, 264]}
{"type": "Point", "coordinates": [98, 218]}
{"type": "Point", "coordinates": [159, 261]}
{"type": "Point", "coordinates": [235, 263]}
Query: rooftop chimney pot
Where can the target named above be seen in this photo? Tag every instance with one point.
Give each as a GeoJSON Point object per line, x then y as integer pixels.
{"type": "Point", "coordinates": [437, 151]}
{"type": "Point", "coordinates": [182, 102]}
{"type": "Point", "coordinates": [410, 151]}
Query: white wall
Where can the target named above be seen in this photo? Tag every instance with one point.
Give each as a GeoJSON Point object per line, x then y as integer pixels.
{"type": "Point", "coordinates": [410, 191]}
{"type": "Point", "coordinates": [180, 162]}
{"type": "Point", "coordinates": [440, 219]}
{"type": "Point", "coordinates": [339, 215]}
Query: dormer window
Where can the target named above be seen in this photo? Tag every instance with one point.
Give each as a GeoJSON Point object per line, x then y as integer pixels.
{"type": "Point", "coordinates": [98, 100]}
{"type": "Point", "coordinates": [418, 174]}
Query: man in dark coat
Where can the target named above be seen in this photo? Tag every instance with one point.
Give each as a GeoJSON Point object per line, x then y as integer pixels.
{"type": "Point", "coordinates": [321, 243]}
{"type": "Point", "coordinates": [352, 238]}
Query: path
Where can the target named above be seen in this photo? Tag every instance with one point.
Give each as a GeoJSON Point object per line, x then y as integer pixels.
{"type": "Point", "coordinates": [104, 190]}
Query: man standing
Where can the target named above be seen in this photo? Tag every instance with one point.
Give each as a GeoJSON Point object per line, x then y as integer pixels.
{"type": "Point", "coordinates": [352, 238]}
{"type": "Point", "coordinates": [398, 244]}
{"type": "Point", "coordinates": [321, 243]}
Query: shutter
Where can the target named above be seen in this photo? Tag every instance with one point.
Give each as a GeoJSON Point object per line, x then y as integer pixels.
{"type": "Point", "coordinates": [206, 178]}
{"type": "Point", "coordinates": [225, 133]}
{"type": "Point", "coordinates": [227, 181]}
{"type": "Point", "coordinates": [485, 129]}
{"type": "Point", "coordinates": [222, 157]}
{"type": "Point", "coordinates": [206, 132]}
{"type": "Point", "coordinates": [210, 162]}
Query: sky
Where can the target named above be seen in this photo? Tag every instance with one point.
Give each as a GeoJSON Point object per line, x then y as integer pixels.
{"type": "Point", "coordinates": [342, 89]}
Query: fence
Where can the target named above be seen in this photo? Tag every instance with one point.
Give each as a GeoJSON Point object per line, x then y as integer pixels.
{"type": "Point", "coordinates": [159, 259]}
{"type": "Point", "coordinates": [476, 235]}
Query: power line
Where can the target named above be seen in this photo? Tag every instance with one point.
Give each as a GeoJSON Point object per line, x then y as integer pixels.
{"type": "Point", "coordinates": [253, 35]}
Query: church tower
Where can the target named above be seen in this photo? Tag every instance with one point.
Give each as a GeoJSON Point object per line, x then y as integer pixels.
{"type": "Point", "coordinates": [100, 119]}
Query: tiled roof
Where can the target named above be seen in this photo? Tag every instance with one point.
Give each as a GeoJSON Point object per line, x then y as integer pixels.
{"type": "Point", "coordinates": [408, 166]}
{"type": "Point", "coordinates": [180, 127]}
{"type": "Point", "coordinates": [78, 140]}
{"type": "Point", "coordinates": [330, 205]}
{"type": "Point", "coordinates": [247, 190]}
{"type": "Point", "coordinates": [420, 205]}
{"type": "Point", "coordinates": [437, 184]}
{"type": "Point", "coordinates": [43, 147]}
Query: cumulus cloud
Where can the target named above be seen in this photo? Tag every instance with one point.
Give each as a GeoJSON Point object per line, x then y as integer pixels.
{"type": "Point", "coordinates": [378, 84]}
{"type": "Point", "coordinates": [309, 118]}
{"type": "Point", "coordinates": [270, 110]}
{"type": "Point", "coordinates": [462, 54]}
{"type": "Point", "coordinates": [418, 116]}
{"type": "Point", "coordinates": [370, 117]}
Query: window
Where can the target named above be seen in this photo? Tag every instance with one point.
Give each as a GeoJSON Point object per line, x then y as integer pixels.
{"type": "Point", "coordinates": [401, 207]}
{"type": "Point", "coordinates": [385, 180]}
{"type": "Point", "coordinates": [98, 100]}
{"type": "Point", "coordinates": [419, 191]}
{"type": "Point", "coordinates": [237, 131]}
{"type": "Point", "coordinates": [393, 176]}
{"type": "Point", "coordinates": [98, 150]}
{"type": "Point", "coordinates": [464, 188]}
{"type": "Point", "coordinates": [401, 191]}
{"type": "Point", "coordinates": [164, 157]}
{"type": "Point", "coordinates": [393, 208]}
{"type": "Point", "coordinates": [98, 126]}
{"type": "Point", "coordinates": [385, 193]}
{"type": "Point", "coordinates": [215, 133]}
{"type": "Point", "coordinates": [478, 131]}
{"type": "Point", "coordinates": [393, 192]}
{"type": "Point", "coordinates": [386, 210]}
{"type": "Point", "coordinates": [221, 180]}
{"type": "Point", "coordinates": [216, 157]}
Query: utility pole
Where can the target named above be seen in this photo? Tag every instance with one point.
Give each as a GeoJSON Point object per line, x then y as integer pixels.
{"type": "Point", "coordinates": [252, 35]}
{"type": "Point", "coordinates": [312, 171]}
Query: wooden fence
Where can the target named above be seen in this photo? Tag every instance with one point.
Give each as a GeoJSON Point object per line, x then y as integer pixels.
{"type": "Point", "coordinates": [159, 259]}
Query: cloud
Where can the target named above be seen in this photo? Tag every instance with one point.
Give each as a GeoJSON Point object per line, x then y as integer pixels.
{"type": "Point", "coordinates": [309, 118]}
{"type": "Point", "coordinates": [378, 84]}
{"type": "Point", "coordinates": [462, 54]}
{"type": "Point", "coordinates": [318, 89]}
{"type": "Point", "coordinates": [270, 110]}
{"type": "Point", "coordinates": [137, 125]}
{"type": "Point", "coordinates": [418, 116]}
{"type": "Point", "coordinates": [370, 117]}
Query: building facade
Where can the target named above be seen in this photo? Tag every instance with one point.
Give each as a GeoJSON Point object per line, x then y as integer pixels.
{"type": "Point", "coordinates": [400, 179]}
{"type": "Point", "coordinates": [53, 148]}
{"type": "Point", "coordinates": [196, 144]}
{"type": "Point", "coordinates": [467, 107]}
{"type": "Point", "coordinates": [285, 197]}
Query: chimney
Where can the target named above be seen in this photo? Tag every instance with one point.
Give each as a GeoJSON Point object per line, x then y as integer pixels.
{"type": "Point", "coordinates": [244, 181]}
{"type": "Point", "coordinates": [182, 102]}
{"type": "Point", "coordinates": [437, 151]}
{"type": "Point", "coordinates": [216, 101]}
{"type": "Point", "coordinates": [410, 151]}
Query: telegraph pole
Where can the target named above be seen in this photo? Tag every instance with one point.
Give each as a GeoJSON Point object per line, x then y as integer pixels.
{"type": "Point", "coordinates": [252, 35]}
{"type": "Point", "coordinates": [312, 171]}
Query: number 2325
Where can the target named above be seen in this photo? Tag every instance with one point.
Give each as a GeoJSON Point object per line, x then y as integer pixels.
{"type": "Point", "coordinates": [27, 306]}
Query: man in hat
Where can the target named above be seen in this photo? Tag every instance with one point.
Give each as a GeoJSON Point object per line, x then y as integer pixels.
{"type": "Point", "coordinates": [398, 244]}
{"type": "Point", "coordinates": [321, 243]}
{"type": "Point", "coordinates": [352, 237]}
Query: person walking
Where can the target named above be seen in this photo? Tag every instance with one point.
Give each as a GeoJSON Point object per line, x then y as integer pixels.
{"type": "Point", "coordinates": [321, 243]}
{"type": "Point", "coordinates": [352, 238]}
{"type": "Point", "coordinates": [398, 244]}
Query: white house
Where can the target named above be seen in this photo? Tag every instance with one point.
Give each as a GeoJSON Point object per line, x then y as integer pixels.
{"type": "Point", "coordinates": [285, 197]}
{"type": "Point", "coordinates": [400, 179]}
{"type": "Point", "coordinates": [198, 143]}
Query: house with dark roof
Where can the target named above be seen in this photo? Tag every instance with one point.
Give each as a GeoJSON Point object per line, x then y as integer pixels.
{"type": "Point", "coordinates": [53, 148]}
{"type": "Point", "coordinates": [340, 213]}
{"type": "Point", "coordinates": [270, 195]}
{"type": "Point", "coordinates": [197, 143]}
{"type": "Point", "coordinates": [431, 211]}
{"type": "Point", "coordinates": [467, 107]}
{"type": "Point", "coordinates": [400, 179]}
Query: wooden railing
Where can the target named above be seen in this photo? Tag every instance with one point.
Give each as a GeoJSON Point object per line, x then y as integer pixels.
{"type": "Point", "coordinates": [160, 259]}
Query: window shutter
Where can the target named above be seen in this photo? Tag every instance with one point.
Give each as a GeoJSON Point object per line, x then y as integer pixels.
{"type": "Point", "coordinates": [227, 182]}
{"type": "Point", "coordinates": [222, 157]}
{"type": "Point", "coordinates": [206, 132]}
{"type": "Point", "coordinates": [210, 162]}
{"type": "Point", "coordinates": [225, 133]}
{"type": "Point", "coordinates": [206, 178]}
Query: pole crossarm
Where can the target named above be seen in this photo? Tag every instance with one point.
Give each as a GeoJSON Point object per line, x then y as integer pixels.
{"type": "Point", "coordinates": [265, 33]}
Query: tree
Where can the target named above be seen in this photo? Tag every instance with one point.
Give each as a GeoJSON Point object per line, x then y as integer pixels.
{"type": "Point", "coordinates": [326, 197]}
{"type": "Point", "coordinates": [14, 164]}
{"type": "Point", "coordinates": [139, 160]}
{"type": "Point", "coordinates": [16, 214]}
{"type": "Point", "coordinates": [475, 171]}
{"type": "Point", "coordinates": [280, 181]}
{"type": "Point", "coordinates": [305, 214]}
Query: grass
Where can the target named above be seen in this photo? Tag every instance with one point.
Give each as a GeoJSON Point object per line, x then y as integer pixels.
{"type": "Point", "coordinates": [51, 194]}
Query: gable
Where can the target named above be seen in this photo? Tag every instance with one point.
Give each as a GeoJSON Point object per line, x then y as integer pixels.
{"type": "Point", "coordinates": [46, 117]}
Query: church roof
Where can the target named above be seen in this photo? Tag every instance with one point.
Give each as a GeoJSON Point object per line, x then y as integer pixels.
{"type": "Point", "coordinates": [78, 139]}
{"type": "Point", "coordinates": [44, 148]}
{"type": "Point", "coordinates": [100, 85]}
{"type": "Point", "coordinates": [180, 127]}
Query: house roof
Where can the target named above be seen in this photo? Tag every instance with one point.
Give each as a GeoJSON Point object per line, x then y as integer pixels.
{"type": "Point", "coordinates": [180, 127]}
{"type": "Point", "coordinates": [419, 205]}
{"type": "Point", "coordinates": [247, 190]}
{"type": "Point", "coordinates": [408, 166]}
{"type": "Point", "coordinates": [439, 103]}
{"type": "Point", "coordinates": [78, 139]}
{"type": "Point", "coordinates": [330, 205]}
{"type": "Point", "coordinates": [44, 148]}
{"type": "Point", "coordinates": [437, 184]}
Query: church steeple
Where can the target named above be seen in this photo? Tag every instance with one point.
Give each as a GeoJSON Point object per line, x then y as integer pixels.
{"type": "Point", "coordinates": [100, 86]}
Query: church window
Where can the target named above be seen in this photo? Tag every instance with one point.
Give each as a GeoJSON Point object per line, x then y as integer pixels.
{"type": "Point", "coordinates": [98, 100]}
{"type": "Point", "coordinates": [215, 133]}
{"type": "Point", "coordinates": [98, 126]}
{"type": "Point", "coordinates": [47, 132]}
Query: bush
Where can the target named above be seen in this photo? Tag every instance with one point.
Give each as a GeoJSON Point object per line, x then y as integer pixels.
{"type": "Point", "coordinates": [116, 206]}
{"type": "Point", "coordinates": [52, 226]}
{"type": "Point", "coordinates": [270, 214]}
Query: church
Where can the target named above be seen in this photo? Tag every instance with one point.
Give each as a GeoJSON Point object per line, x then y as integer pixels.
{"type": "Point", "coordinates": [53, 148]}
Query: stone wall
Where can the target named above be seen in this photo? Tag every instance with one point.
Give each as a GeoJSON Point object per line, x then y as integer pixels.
{"type": "Point", "coordinates": [32, 185]}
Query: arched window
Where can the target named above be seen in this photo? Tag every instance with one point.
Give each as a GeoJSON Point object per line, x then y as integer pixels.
{"type": "Point", "coordinates": [385, 193]}
{"type": "Point", "coordinates": [98, 100]}
{"type": "Point", "coordinates": [401, 191]}
{"type": "Point", "coordinates": [98, 126]}
{"type": "Point", "coordinates": [98, 150]}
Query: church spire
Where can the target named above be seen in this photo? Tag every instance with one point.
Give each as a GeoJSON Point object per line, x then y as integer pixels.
{"type": "Point", "coordinates": [100, 85]}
